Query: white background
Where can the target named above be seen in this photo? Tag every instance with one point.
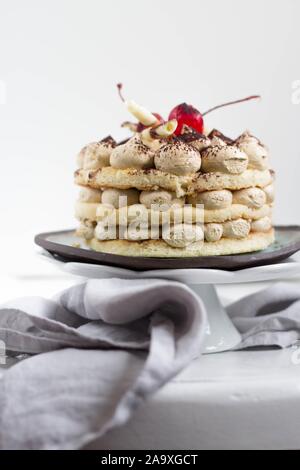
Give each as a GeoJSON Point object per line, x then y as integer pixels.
{"type": "Point", "coordinates": [60, 61]}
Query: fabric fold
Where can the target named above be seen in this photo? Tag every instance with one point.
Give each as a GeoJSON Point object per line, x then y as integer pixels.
{"type": "Point", "coordinates": [126, 340]}
{"type": "Point", "coordinates": [270, 317]}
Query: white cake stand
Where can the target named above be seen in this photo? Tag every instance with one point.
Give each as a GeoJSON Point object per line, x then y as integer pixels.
{"type": "Point", "coordinates": [221, 333]}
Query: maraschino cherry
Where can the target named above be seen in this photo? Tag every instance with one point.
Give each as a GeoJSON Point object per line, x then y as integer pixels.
{"type": "Point", "coordinates": [140, 126]}
{"type": "Point", "coordinates": [187, 115]}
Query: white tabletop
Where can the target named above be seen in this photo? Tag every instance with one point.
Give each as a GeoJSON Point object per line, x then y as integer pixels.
{"type": "Point", "coordinates": [247, 399]}
{"type": "Point", "coordinates": [235, 400]}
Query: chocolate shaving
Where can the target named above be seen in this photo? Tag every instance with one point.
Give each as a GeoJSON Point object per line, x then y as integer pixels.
{"type": "Point", "coordinates": [109, 140]}
{"type": "Point", "coordinates": [122, 142]}
{"type": "Point", "coordinates": [153, 133]}
{"type": "Point", "coordinates": [216, 133]}
{"type": "Point", "coordinates": [132, 126]}
{"type": "Point", "coordinates": [248, 134]}
{"type": "Point", "coordinates": [191, 137]}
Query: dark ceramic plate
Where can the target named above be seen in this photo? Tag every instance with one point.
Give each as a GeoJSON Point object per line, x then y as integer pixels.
{"type": "Point", "coordinates": [59, 244]}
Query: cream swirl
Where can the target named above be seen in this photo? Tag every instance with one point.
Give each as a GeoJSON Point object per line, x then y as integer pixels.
{"type": "Point", "coordinates": [261, 225]}
{"type": "Point", "coordinates": [236, 229]}
{"type": "Point", "coordinates": [182, 235]}
{"type": "Point", "coordinates": [258, 153]}
{"type": "Point", "coordinates": [178, 158]}
{"type": "Point", "coordinates": [120, 197]}
{"type": "Point", "coordinates": [212, 200]}
{"type": "Point", "coordinates": [213, 232]}
{"type": "Point", "coordinates": [90, 195]}
{"type": "Point", "coordinates": [96, 154]}
{"type": "Point", "coordinates": [216, 141]}
{"type": "Point", "coordinates": [250, 197]}
{"type": "Point", "coordinates": [160, 199]}
{"type": "Point", "coordinates": [270, 193]}
{"type": "Point", "coordinates": [224, 158]}
{"type": "Point", "coordinates": [195, 139]}
{"type": "Point", "coordinates": [86, 230]}
{"type": "Point", "coordinates": [215, 133]}
{"type": "Point", "coordinates": [132, 154]}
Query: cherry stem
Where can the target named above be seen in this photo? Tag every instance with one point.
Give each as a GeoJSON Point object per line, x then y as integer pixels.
{"type": "Point", "coordinates": [120, 86]}
{"type": "Point", "coordinates": [253, 97]}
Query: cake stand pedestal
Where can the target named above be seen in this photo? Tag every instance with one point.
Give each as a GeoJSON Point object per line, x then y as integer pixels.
{"type": "Point", "coordinates": [221, 334]}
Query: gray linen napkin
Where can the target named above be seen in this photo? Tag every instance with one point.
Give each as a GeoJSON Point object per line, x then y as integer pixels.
{"type": "Point", "coordinates": [104, 346]}
{"type": "Point", "coordinates": [101, 348]}
{"type": "Point", "coordinates": [268, 318]}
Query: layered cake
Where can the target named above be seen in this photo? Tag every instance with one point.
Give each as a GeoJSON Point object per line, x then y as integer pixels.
{"type": "Point", "coordinates": [175, 189]}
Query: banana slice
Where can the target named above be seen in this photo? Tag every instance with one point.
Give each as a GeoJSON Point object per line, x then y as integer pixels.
{"type": "Point", "coordinates": [153, 136]}
{"type": "Point", "coordinates": [140, 113]}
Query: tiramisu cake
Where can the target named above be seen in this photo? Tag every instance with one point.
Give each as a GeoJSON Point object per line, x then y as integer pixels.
{"type": "Point", "coordinates": [174, 189]}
